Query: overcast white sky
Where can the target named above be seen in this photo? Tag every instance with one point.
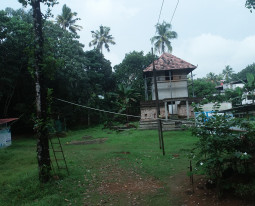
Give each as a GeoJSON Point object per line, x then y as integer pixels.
{"type": "Point", "coordinates": [211, 34]}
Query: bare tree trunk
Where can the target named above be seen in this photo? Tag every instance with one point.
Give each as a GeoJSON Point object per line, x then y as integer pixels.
{"type": "Point", "coordinates": [43, 156]}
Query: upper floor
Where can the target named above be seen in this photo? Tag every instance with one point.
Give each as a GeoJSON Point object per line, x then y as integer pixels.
{"type": "Point", "coordinates": [171, 76]}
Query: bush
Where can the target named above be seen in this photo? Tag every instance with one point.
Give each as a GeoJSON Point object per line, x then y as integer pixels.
{"type": "Point", "coordinates": [225, 148]}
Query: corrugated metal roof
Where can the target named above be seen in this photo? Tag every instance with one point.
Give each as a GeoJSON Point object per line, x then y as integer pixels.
{"type": "Point", "coordinates": [3, 121]}
{"type": "Point", "coordinates": [169, 62]}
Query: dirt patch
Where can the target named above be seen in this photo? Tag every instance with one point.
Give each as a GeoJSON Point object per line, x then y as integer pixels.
{"type": "Point", "coordinates": [94, 141]}
{"type": "Point", "coordinates": [117, 186]}
{"type": "Point", "coordinates": [122, 152]}
{"type": "Point", "coordinates": [180, 187]}
{"type": "Point", "coordinates": [87, 137]}
{"type": "Point", "coordinates": [130, 186]}
{"type": "Point", "coordinates": [117, 181]}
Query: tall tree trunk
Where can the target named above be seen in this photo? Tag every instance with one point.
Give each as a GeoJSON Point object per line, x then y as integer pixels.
{"type": "Point", "coordinates": [43, 156]}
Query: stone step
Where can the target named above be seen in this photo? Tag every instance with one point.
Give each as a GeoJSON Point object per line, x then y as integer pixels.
{"type": "Point", "coordinates": [167, 125]}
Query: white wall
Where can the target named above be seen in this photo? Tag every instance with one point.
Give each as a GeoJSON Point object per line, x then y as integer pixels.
{"type": "Point", "coordinates": [179, 89]}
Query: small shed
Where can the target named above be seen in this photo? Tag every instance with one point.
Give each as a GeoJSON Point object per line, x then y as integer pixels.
{"type": "Point", "coordinates": [5, 132]}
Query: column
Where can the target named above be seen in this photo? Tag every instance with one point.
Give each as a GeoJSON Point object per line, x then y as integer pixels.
{"type": "Point", "coordinates": [146, 88]}
{"type": "Point", "coordinates": [187, 108]}
{"type": "Point", "coordinates": [166, 111]}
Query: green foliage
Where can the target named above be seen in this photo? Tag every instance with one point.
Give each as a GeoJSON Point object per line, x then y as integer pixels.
{"type": "Point", "coordinates": [130, 71]}
{"type": "Point", "coordinates": [234, 96]}
{"type": "Point", "coordinates": [126, 99]}
{"type": "Point", "coordinates": [46, 2]}
{"type": "Point", "coordinates": [242, 74]}
{"type": "Point", "coordinates": [67, 20]}
{"type": "Point", "coordinates": [228, 74]}
{"type": "Point", "coordinates": [214, 78]}
{"type": "Point", "coordinates": [102, 38]}
{"type": "Point", "coordinates": [15, 81]}
{"type": "Point", "coordinates": [250, 85]}
{"type": "Point", "coordinates": [221, 148]}
{"type": "Point", "coordinates": [246, 191]}
{"type": "Point", "coordinates": [164, 35]}
{"type": "Point", "coordinates": [203, 88]}
{"type": "Point", "coordinates": [250, 4]}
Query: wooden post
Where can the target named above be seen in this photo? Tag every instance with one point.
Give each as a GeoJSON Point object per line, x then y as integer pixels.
{"type": "Point", "coordinates": [166, 111]}
{"type": "Point", "coordinates": [145, 88]}
{"type": "Point", "coordinates": [156, 97]}
{"type": "Point", "coordinates": [176, 107]}
{"type": "Point", "coordinates": [187, 108]}
{"type": "Point", "coordinates": [161, 140]}
{"type": "Point", "coordinates": [171, 92]}
{"type": "Point", "coordinates": [193, 95]}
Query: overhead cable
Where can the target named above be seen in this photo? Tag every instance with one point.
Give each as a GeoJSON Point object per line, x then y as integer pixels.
{"type": "Point", "coordinates": [160, 13]}
{"type": "Point", "coordinates": [174, 12]}
{"type": "Point", "coordinates": [100, 110]}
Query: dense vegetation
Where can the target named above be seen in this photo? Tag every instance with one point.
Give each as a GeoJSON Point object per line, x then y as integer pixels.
{"type": "Point", "coordinates": [225, 152]}
{"type": "Point", "coordinates": [206, 87]}
{"type": "Point", "coordinates": [76, 75]}
{"type": "Point", "coordinates": [79, 76]}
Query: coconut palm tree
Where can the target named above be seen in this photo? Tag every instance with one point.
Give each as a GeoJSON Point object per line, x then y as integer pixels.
{"type": "Point", "coordinates": [212, 77]}
{"type": "Point", "coordinates": [163, 37]}
{"type": "Point", "coordinates": [67, 20]}
{"type": "Point", "coordinates": [227, 73]}
{"type": "Point", "coordinates": [102, 37]}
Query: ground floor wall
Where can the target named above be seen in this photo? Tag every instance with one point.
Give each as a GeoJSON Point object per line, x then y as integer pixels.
{"type": "Point", "coordinates": [179, 111]}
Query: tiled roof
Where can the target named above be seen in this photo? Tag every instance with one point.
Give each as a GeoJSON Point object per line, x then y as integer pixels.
{"type": "Point", "coordinates": [3, 121]}
{"type": "Point", "coordinates": [169, 62]}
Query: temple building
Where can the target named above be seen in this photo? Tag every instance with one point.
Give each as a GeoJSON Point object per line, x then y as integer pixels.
{"type": "Point", "coordinates": [172, 82]}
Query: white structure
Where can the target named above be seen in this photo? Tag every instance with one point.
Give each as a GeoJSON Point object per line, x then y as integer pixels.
{"type": "Point", "coordinates": [172, 83]}
{"type": "Point", "coordinates": [232, 86]}
{"type": "Point", "coordinates": [5, 132]}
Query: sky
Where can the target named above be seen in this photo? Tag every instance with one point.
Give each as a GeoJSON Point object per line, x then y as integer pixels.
{"type": "Point", "coordinates": [211, 34]}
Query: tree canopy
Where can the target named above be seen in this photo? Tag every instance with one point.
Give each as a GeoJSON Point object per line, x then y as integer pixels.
{"type": "Point", "coordinates": [250, 4]}
{"type": "Point", "coordinates": [162, 40]}
{"type": "Point", "coordinates": [102, 38]}
{"type": "Point", "coordinates": [67, 21]}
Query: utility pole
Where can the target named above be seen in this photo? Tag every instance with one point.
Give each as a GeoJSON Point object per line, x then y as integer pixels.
{"type": "Point", "coordinates": [160, 133]}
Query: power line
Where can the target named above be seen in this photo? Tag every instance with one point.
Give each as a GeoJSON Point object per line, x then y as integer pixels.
{"type": "Point", "coordinates": [100, 110]}
{"type": "Point", "coordinates": [160, 14]}
{"type": "Point", "coordinates": [160, 10]}
{"type": "Point", "coordinates": [174, 11]}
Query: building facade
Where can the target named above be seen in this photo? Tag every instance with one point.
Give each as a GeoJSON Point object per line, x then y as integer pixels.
{"type": "Point", "coordinates": [172, 82]}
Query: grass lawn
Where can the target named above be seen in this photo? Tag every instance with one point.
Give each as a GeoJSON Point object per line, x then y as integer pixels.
{"type": "Point", "coordinates": [127, 169]}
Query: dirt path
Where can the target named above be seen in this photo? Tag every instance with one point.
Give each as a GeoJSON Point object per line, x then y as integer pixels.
{"type": "Point", "coordinates": [181, 187]}
{"type": "Point", "coordinates": [116, 186]}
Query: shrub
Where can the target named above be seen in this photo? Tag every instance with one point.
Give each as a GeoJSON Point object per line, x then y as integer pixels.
{"type": "Point", "coordinates": [225, 148]}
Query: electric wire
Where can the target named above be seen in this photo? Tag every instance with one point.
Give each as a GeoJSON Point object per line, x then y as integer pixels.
{"type": "Point", "coordinates": [160, 10]}
{"type": "Point", "coordinates": [100, 110]}
{"type": "Point", "coordinates": [159, 14]}
{"type": "Point", "coordinates": [174, 11]}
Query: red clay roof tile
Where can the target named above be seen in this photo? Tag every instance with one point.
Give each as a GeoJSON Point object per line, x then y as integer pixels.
{"type": "Point", "coordinates": [169, 62]}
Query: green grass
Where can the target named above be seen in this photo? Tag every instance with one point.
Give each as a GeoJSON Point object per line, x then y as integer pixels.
{"type": "Point", "coordinates": [90, 165]}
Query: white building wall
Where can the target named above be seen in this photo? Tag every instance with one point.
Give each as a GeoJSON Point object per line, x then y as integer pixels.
{"type": "Point", "coordinates": [179, 89]}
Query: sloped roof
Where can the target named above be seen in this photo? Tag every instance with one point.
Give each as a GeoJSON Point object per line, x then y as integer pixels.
{"type": "Point", "coordinates": [169, 62]}
{"type": "Point", "coordinates": [3, 121]}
